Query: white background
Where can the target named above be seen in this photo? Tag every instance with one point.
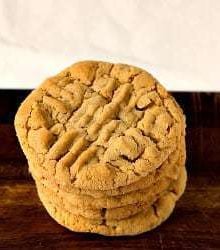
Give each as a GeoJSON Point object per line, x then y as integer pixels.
{"type": "Point", "coordinates": [177, 41]}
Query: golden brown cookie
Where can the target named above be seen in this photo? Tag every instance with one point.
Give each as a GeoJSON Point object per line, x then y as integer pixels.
{"type": "Point", "coordinates": [122, 211]}
{"type": "Point", "coordinates": [136, 224]}
{"type": "Point", "coordinates": [99, 126]}
{"type": "Point", "coordinates": [88, 201]}
{"type": "Point", "coordinates": [168, 168]}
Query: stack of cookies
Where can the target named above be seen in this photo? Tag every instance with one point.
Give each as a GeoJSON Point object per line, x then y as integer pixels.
{"type": "Point", "coordinates": [105, 145]}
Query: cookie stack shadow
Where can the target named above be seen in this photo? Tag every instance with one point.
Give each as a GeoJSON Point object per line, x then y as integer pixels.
{"type": "Point", "coordinates": [105, 145]}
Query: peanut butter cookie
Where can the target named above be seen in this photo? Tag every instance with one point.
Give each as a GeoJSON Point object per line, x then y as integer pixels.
{"type": "Point", "coordinates": [143, 221]}
{"type": "Point", "coordinates": [99, 126]}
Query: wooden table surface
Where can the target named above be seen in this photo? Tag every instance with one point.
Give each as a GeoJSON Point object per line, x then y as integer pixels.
{"type": "Point", "coordinates": [195, 223]}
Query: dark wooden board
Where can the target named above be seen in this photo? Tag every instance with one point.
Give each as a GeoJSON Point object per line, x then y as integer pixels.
{"type": "Point", "coordinates": [195, 223]}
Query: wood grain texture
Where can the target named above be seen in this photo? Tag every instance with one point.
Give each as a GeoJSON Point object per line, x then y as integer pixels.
{"type": "Point", "coordinates": [195, 223]}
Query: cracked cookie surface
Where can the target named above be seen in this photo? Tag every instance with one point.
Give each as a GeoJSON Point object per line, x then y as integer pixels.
{"type": "Point", "coordinates": [168, 168]}
{"type": "Point", "coordinates": [99, 126]}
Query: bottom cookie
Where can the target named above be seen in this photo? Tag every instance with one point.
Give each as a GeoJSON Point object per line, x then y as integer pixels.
{"type": "Point", "coordinates": [139, 223]}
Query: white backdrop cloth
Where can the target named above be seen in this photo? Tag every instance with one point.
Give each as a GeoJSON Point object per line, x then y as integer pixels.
{"type": "Point", "coordinates": [177, 41]}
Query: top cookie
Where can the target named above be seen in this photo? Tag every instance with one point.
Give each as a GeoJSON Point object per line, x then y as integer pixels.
{"type": "Point", "coordinates": [99, 126]}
